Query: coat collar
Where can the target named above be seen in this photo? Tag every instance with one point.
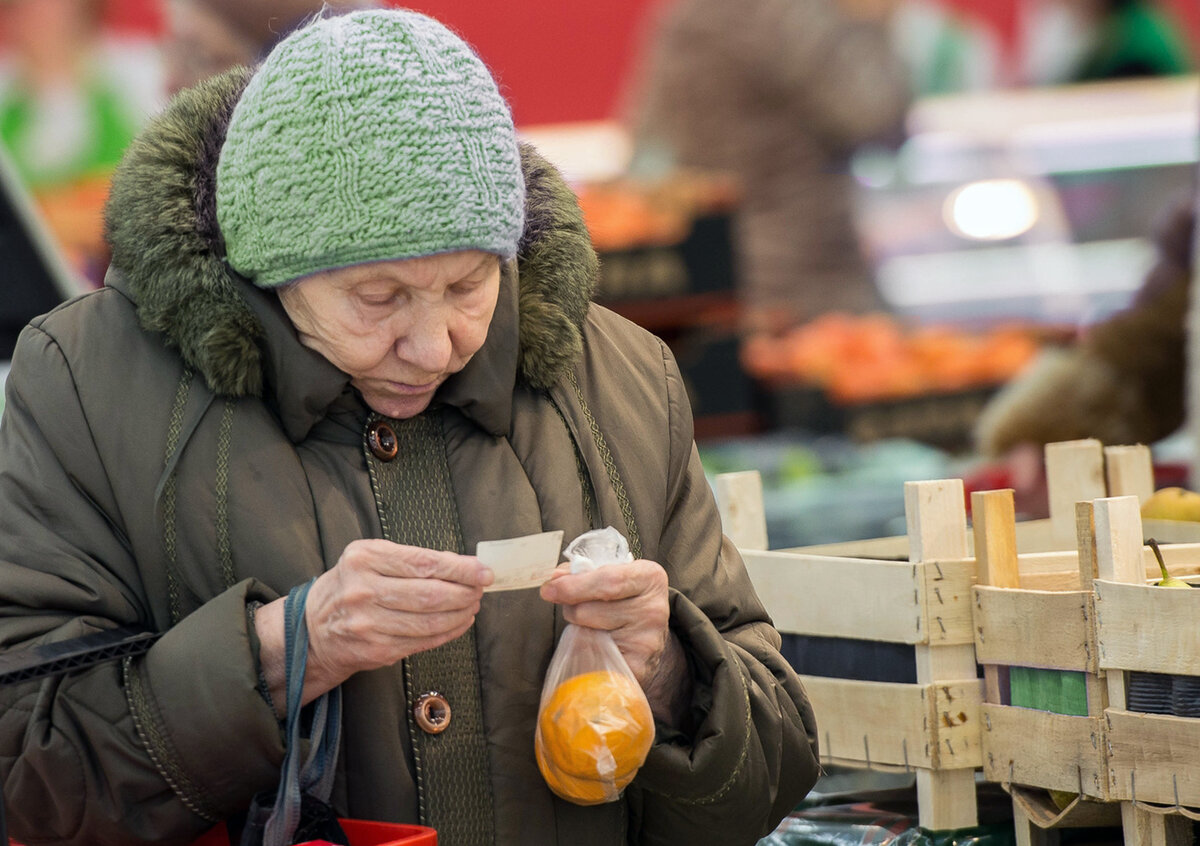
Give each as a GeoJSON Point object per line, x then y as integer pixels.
{"type": "Point", "coordinates": [168, 255]}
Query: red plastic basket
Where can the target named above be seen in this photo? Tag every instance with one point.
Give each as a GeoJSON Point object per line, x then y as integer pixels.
{"type": "Point", "coordinates": [358, 832]}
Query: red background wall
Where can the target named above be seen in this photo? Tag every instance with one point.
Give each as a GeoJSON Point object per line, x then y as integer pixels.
{"type": "Point", "coordinates": [567, 60]}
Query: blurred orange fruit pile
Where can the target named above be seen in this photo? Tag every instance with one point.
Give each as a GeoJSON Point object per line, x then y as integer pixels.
{"type": "Point", "coordinates": [593, 734]}
{"type": "Point", "coordinates": [864, 358]}
{"type": "Point", "coordinates": [624, 213]}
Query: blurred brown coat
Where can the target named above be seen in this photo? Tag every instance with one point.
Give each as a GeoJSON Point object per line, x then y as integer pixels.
{"type": "Point", "coordinates": [778, 93]}
{"type": "Point", "coordinates": [1125, 381]}
{"type": "Point", "coordinates": [206, 37]}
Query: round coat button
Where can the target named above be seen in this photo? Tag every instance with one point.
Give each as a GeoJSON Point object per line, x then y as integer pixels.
{"type": "Point", "coordinates": [432, 712]}
{"type": "Point", "coordinates": [381, 439]}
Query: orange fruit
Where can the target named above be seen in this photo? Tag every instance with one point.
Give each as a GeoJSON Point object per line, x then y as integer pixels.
{"type": "Point", "coordinates": [594, 733]}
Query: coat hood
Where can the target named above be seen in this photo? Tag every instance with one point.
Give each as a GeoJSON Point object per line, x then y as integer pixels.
{"type": "Point", "coordinates": [161, 225]}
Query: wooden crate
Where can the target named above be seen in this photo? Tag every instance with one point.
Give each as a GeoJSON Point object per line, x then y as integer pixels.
{"type": "Point", "coordinates": [917, 589]}
{"type": "Point", "coordinates": [1153, 761]}
{"type": "Point", "coordinates": [1033, 620]}
{"type": "Point", "coordinates": [930, 727]}
{"type": "Point", "coordinates": [1026, 618]}
{"type": "Point", "coordinates": [1076, 471]}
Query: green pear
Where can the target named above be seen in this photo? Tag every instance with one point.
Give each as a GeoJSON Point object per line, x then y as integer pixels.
{"type": "Point", "coordinates": [1167, 579]}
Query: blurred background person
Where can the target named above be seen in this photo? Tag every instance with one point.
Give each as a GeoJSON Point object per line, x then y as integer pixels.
{"type": "Point", "coordinates": [71, 98]}
{"type": "Point", "coordinates": [945, 51]}
{"type": "Point", "coordinates": [205, 37]}
{"type": "Point", "coordinates": [73, 92]}
{"type": "Point", "coordinates": [1071, 41]}
{"type": "Point", "coordinates": [777, 94]}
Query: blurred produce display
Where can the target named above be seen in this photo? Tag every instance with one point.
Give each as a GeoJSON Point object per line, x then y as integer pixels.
{"type": "Point", "coordinates": [874, 376]}
{"type": "Point", "coordinates": [829, 489]}
{"type": "Point", "coordinates": [626, 213]}
{"type": "Point", "coordinates": [660, 239]}
{"type": "Point", "coordinates": [863, 358]}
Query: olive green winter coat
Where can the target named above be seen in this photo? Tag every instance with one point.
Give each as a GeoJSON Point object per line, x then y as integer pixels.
{"type": "Point", "coordinates": [170, 453]}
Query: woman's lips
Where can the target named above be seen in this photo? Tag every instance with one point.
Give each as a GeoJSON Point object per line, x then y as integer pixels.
{"type": "Point", "coordinates": [412, 390]}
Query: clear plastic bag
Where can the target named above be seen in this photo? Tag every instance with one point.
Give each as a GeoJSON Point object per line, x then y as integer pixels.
{"type": "Point", "coordinates": [594, 725]}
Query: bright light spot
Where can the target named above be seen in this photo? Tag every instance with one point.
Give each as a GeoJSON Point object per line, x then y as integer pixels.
{"type": "Point", "coordinates": [992, 210]}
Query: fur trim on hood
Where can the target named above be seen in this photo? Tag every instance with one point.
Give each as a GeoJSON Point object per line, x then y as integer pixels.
{"type": "Point", "coordinates": [161, 225]}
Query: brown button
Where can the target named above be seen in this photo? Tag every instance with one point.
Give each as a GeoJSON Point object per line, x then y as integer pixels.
{"type": "Point", "coordinates": [381, 438]}
{"type": "Point", "coordinates": [432, 712]}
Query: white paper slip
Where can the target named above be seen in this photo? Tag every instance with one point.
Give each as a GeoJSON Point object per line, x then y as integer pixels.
{"type": "Point", "coordinates": [521, 562]}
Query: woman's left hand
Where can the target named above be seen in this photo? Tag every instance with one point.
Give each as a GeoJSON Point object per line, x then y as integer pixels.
{"type": "Point", "coordinates": [630, 602]}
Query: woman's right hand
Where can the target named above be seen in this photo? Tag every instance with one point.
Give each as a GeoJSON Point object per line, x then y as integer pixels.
{"type": "Point", "coordinates": [379, 604]}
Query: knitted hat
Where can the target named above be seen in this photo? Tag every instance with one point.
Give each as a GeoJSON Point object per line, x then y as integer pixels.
{"type": "Point", "coordinates": [363, 137]}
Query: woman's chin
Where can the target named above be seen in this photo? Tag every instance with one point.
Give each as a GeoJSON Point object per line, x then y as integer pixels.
{"type": "Point", "coordinates": [398, 408]}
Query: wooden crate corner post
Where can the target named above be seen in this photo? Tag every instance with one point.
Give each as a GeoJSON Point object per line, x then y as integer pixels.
{"type": "Point", "coordinates": [935, 513]}
{"type": "Point", "coordinates": [1129, 471]}
{"type": "Point", "coordinates": [740, 502]}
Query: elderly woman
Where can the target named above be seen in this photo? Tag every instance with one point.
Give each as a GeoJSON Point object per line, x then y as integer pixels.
{"type": "Point", "coordinates": [347, 336]}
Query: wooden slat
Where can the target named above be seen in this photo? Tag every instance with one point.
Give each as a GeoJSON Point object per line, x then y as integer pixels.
{"type": "Point", "coordinates": [892, 548]}
{"type": "Point", "coordinates": [936, 516]}
{"type": "Point", "coordinates": [1033, 537]}
{"type": "Point", "coordinates": [1040, 749]}
{"type": "Point", "coordinates": [919, 726]}
{"type": "Point", "coordinates": [1119, 557]}
{"type": "Point", "coordinates": [995, 531]}
{"type": "Point", "coordinates": [1036, 804]}
{"type": "Point", "coordinates": [1057, 582]}
{"type": "Point", "coordinates": [740, 502]}
{"type": "Point", "coordinates": [1037, 536]}
{"type": "Point", "coordinates": [1129, 471]}
{"type": "Point", "coordinates": [1142, 827]}
{"type": "Point", "coordinates": [878, 722]}
{"type": "Point", "coordinates": [946, 608]}
{"type": "Point", "coordinates": [956, 707]}
{"type": "Point", "coordinates": [1085, 543]}
{"type": "Point", "coordinates": [1089, 571]}
{"type": "Point", "coordinates": [1048, 562]}
{"type": "Point", "coordinates": [1182, 559]}
{"type": "Point", "coordinates": [1030, 628]}
{"type": "Point", "coordinates": [1172, 531]}
{"type": "Point", "coordinates": [1161, 753]}
{"type": "Point", "coordinates": [840, 597]}
{"type": "Point", "coordinates": [1119, 548]}
{"type": "Point", "coordinates": [1148, 628]}
{"type": "Point", "coordinates": [946, 800]}
{"type": "Point", "coordinates": [1074, 472]}
{"type": "Point", "coordinates": [891, 601]}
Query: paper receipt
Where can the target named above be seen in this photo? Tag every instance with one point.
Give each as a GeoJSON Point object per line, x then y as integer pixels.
{"type": "Point", "coordinates": [521, 562]}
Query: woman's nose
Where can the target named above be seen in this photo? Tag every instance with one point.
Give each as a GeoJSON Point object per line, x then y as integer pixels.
{"type": "Point", "coordinates": [427, 344]}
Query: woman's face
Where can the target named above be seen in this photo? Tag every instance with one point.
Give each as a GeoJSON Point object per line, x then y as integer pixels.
{"type": "Point", "coordinates": [398, 328]}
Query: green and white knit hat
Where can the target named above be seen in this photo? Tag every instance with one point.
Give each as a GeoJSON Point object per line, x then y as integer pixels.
{"type": "Point", "coordinates": [369, 136]}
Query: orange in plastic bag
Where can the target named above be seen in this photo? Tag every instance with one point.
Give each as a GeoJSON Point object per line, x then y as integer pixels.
{"type": "Point", "coordinates": [594, 726]}
{"type": "Point", "coordinates": [593, 735]}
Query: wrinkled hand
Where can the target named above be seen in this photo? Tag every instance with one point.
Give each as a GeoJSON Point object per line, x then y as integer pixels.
{"type": "Point", "coordinates": [629, 601]}
{"type": "Point", "coordinates": [379, 604]}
